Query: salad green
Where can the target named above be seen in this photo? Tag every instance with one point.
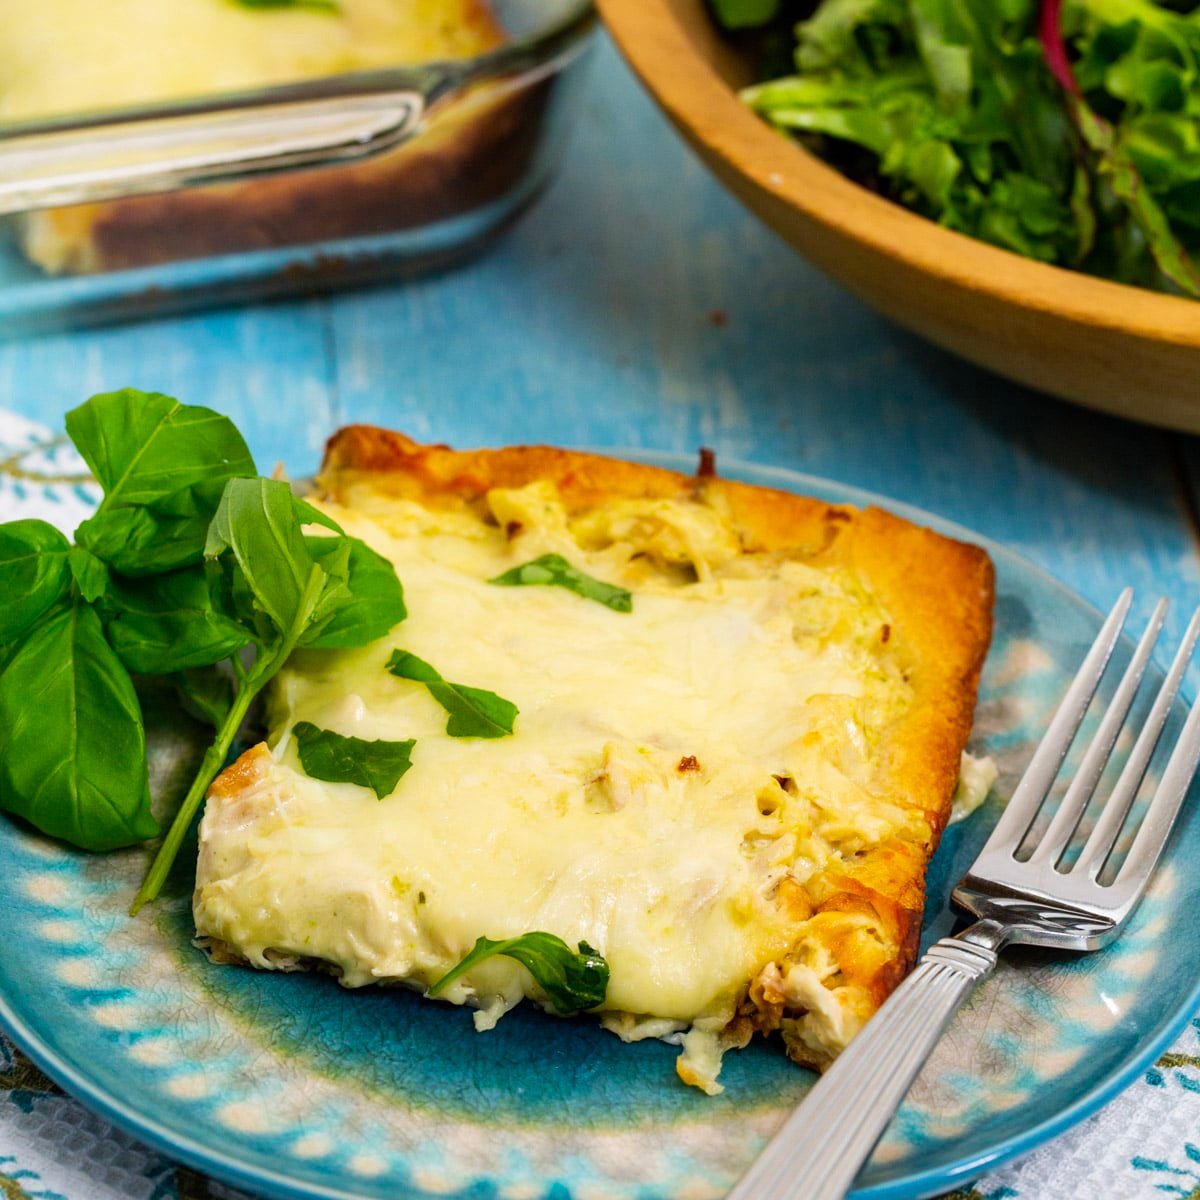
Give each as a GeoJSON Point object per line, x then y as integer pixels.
{"type": "Point", "coordinates": [1067, 131]}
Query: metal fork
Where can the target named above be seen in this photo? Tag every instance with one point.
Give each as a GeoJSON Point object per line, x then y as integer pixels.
{"type": "Point", "coordinates": [1036, 901]}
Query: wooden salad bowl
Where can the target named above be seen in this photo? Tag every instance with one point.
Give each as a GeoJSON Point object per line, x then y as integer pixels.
{"type": "Point", "coordinates": [1122, 349]}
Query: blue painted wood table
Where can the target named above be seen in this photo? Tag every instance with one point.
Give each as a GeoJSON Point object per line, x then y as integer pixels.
{"type": "Point", "coordinates": [639, 306]}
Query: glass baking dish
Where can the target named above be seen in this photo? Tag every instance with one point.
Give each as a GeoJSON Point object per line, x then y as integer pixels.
{"type": "Point", "coordinates": [308, 187]}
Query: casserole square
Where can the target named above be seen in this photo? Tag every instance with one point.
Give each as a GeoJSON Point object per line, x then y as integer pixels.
{"type": "Point", "coordinates": [731, 792]}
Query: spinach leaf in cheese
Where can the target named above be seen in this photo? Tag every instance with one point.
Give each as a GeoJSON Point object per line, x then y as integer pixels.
{"type": "Point", "coordinates": [473, 711]}
{"type": "Point", "coordinates": [571, 981]}
{"type": "Point", "coordinates": [552, 570]}
{"type": "Point", "coordinates": [330, 756]}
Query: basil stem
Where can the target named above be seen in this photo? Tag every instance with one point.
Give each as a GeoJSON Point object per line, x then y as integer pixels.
{"type": "Point", "coordinates": [249, 686]}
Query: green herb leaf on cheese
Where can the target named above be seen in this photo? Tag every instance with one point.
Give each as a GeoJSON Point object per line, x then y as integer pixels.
{"type": "Point", "coordinates": [72, 742]}
{"type": "Point", "coordinates": [572, 982]}
{"type": "Point", "coordinates": [378, 765]}
{"type": "Point", "coordinates": [552, 570]}
{"type": "Point", "coordinates": [35, 574]}
{"type": "Point", "coordinates": [473, 711]}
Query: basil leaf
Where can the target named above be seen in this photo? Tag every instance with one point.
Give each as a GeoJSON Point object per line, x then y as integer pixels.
{"type": "Point", "coordinates": [257, 523]}
{"type": "Point", "coordinates": [168, 623]}
{"type": "Point", "coordinates": [330, 756]}
{"type": "Point", "coordinates": [309, 514]}
{"type": "Point", "coordinates": [72, 744]}
{"type": "Point", "coordinates": [163, 466]}
{"type": "Point", "coordinates": [163, 536]}
{"type": "Point", "coordinates": [473, 711]}
{"type": "Point", "coordinates": [571, 981]}
{"type": "Point", "coordinates": [206, 693]}
{"type": "Point", "coordinates": [90, 574]}
{"type": "Point", "coordinates": [34, 574]}
{"type": "Point", "coordinates": [335, 589]}
{"type": "Point", "coordinates": [552, 570]}
{"type": "Point", "coordinates": [143, 447]}
{"type": "Point", "coordinates": [375, 603]}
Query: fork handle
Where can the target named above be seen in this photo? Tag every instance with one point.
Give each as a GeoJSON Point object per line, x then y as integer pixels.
{"type": "Point", "coordinates": [819, 1149]}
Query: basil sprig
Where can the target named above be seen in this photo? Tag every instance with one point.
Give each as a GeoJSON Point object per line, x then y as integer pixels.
{"type": "Point", "coordinates": [473, 711]}
{"type": "Point", "coordinates": [572, 982]}
{"type": "Point", "coordinates": [191, 568]}
{"type": "Point", "coordinates": [335, 758]}
{"type": "Point", "coordinates": [552, 570]}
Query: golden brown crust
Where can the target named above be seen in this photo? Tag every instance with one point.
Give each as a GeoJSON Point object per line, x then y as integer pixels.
{"type": "Point", "coordinates": [937, 592]}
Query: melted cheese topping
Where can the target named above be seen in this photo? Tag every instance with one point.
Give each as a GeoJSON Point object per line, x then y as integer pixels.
{"type": "Point", "coordinates": [675, 775]}
{"type": "Point", "coordinates": [64, 56]}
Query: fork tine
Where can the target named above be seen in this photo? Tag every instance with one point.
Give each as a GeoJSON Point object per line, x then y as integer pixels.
{"type": "Point", "coordinates": [1172, 788]}
{"type": "Point", "coordinates": [1083, 786]}
{"type": "Point", "coordinates": [1030, 794]}
{"type": "Point", "coordinates": [1116, 808]}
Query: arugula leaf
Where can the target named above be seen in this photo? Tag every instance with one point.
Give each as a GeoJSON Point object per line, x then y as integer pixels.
{"type": "Point", "coordinates": [34, 574]}
{"type": "Point", "coordinates": [375, 602]}
{"type": "Point", "coordinates": [168, 623]}
{"type": "Point", "coordinates": [553, 570]}
{"type": "Point", "coordinates": [72, 743]}
{"type": "Point", "coordinates": [572, 982]}
{"type": "Point", "coordinates": [163, 466]}
{"type": "Point", "coordinates": [378, 765]}
{"type": "Point", "coordinates": [473, 711]}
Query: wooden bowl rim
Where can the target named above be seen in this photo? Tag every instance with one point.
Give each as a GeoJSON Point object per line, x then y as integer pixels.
{"type": "Point", "coordinates": [695, 96]}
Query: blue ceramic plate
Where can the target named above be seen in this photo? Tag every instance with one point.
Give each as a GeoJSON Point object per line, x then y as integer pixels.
{"type": "Point", "coordinates": [291, 1086]}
